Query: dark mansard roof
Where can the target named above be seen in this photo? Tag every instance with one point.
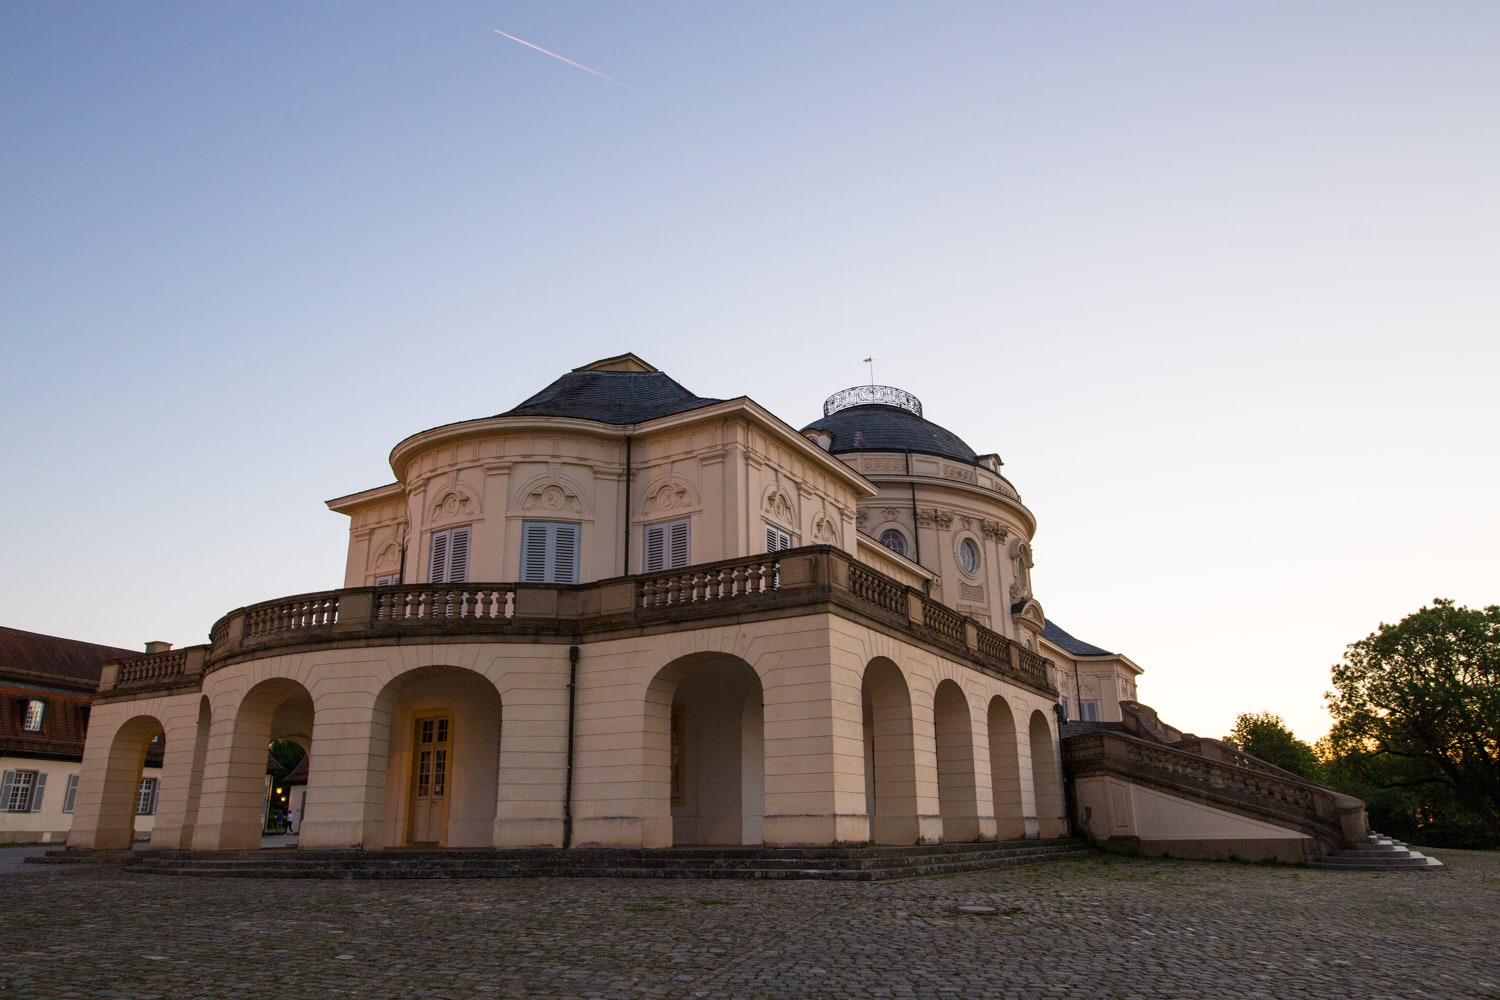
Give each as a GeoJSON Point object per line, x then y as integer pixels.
{"type": "Point", "coordinates": [623, 390]}
{"type": "Point", "coordinates": [880, 427]}
{"type": "Point", "coordinates": [1074, 647]}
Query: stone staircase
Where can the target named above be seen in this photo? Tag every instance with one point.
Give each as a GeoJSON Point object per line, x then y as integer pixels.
{"type": "Point", "coordinates": [854, 864]}
{"type": "Point", "coordinates": [1376, 852]}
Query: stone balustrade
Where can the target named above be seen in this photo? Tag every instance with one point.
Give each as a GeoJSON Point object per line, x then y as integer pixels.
{"type": "Point", "coordinates": [771, 584]}
{"type": "Point", "coordinates": [1260, 792]}
{"type": "Point", "coordinates": [154, 670]}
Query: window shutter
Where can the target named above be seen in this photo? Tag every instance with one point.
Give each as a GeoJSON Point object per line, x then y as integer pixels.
{"type": "Point", "coordinates": [770, 539]}
{"type": "Point", "coordinates": [534, 553]}
{"type": "Point", "coordinates": [37, 790]}
{"type": "Point", "coordinates": [565, 556]}
{"type": "Point", "coordinates": [656, 548]}
{"type": "Point", "coordinates": [458, 556]}
{"type": "Point", "coordinates": [777, 540]}
{"type": "Point", "coordinates": [70, 796]}
{"type": "Point", "coordinates": [6, 785]}
{"type": "Point", "coordinates": [439, 569]}
{"type": "Point", "coordinates": [680, 550]}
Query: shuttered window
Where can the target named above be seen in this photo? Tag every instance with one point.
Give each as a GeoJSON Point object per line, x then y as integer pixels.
{"type": "Point", "coordinates": [21, 791]}
{"type": "Point", "coordinates": [667, 545]}
{"type": "Point", "coordinates": [549, 552]}
{"type": "Point", "coordinates": [450, 556]}
{"type": "Point", "coordinates": [71, 794]}
{"type": "Point", "coordinates": [776, 539]}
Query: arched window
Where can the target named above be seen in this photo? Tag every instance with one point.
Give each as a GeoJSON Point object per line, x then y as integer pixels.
{"type": "Point", "coordinates": [894, 540]}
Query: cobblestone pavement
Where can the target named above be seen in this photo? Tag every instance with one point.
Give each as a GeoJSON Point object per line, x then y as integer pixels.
{"type": "Point", "coordinates": [1099, 927]}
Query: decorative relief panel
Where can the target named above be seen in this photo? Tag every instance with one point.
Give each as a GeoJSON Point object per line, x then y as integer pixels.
{"type": "Point", "coordinates": [388, 557]}
{"type": "Point", "coordinates": [667, 496]}
{"type": "Point", "coordinates": [778, 505]}
{"type": "Point", "coordinates": [995, 531]}
{"type": "Point", "coordinates": [934, 516]}
{"type": "Point", "coordinates": [553, 499]}
{"type": "Point", "coordinates": [970, 591]}
{"type": "Point", "coordinates": [961, 474]}
{"type": "Point", "coordinates": [883, 465]}
{"type": "Point", "coordinates": [455, 503]}
{"type": "Point", "coordinates": [823, 530]}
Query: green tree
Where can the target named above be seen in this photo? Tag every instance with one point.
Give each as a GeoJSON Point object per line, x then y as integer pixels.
{"type": "Point", "coordinates": [1425, 693]}
{"type": "Point", "coordinates": [1266, 736]}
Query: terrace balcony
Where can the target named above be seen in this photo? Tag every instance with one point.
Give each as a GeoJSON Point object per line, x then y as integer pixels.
{"type": "Point", "coordinates": [809, 580]}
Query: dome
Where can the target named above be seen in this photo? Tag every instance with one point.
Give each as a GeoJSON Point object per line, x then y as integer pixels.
{"type": "Point", "coordinates": [621, 390]}
{"type": "Point", "coordinates": [884, 418]}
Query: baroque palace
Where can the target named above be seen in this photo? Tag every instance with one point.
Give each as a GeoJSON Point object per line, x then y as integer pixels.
{"type": "Point", "coordinates": [716, 630]}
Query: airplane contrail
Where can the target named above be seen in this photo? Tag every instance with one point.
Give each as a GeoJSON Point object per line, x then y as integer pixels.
{"type": "Point", "coordinates": [565, 59]}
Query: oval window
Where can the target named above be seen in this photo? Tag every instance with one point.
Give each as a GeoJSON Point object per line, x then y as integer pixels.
{"type": "Point", "coordinates": [894, 540]}
{"type": "Point", "coordinates": [968, 555]}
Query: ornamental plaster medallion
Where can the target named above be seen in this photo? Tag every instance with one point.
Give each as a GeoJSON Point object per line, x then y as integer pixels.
{"type": "Point", "coordinates": [389, 557]}
{"type": "Point", "coordinates": [779, 505]}
{"type": "Point", "coordinates": [454, 505]}
{"type": "Point", "coordinates": [823, 531]}
{"type": "Point", "coordinates": [553, 499]}
{"type": "Point", "coordinates": [667, 497]}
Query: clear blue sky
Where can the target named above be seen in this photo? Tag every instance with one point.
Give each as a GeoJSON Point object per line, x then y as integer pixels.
{"type": "Point", "coordinates": [1218, 281]}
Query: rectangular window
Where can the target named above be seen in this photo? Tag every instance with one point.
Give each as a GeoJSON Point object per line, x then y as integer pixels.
{"type": "Point", "coordinates": [146, 802]}
{"type": "Point", "coordinates": [71, 795]}
{"type": "Point", "coordinates": [776, 539]}
{"type": "Point", "coordinates": [1064, 703]}
{"type": "Point", "coordinates": [450, 556]}
{"type": "Point", "coordinates": [21, 791]}
{"type": "Point", "coordinates": [549, 552]}
{"type": "Point", "coordinates": [390, 580]}
{"type": "Point", "coordinates": [1088, 710]}
{"type": "Point", "coordinates": [666, 546]}
{"type": "Point", "coordinates": [34, 711]}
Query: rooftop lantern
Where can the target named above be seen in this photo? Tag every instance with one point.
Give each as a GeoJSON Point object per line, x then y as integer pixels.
{"type": "Point", "coordinates": [865, 395]}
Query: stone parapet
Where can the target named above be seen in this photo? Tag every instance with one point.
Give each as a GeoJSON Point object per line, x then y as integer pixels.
{"type": "Point", "coordinates": [788, 583]}
{"type": "Point", "coordinates": [1264, 794]}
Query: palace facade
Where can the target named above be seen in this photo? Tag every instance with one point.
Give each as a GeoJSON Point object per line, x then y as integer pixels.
{"type": "Point", "coordinates": [623, 614]}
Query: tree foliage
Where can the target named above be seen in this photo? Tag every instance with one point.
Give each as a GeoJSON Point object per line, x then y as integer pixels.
{"type": "Point", "coordinates": [1418, 704]}
{"type": "Point", "coordinates": [1263, 735]}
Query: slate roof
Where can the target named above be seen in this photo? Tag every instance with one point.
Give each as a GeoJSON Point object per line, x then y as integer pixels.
{"type": "Point", "coordinates": [611, 397]}
{"type": "Point", "coordinates": [876, 427]}
{"type": "Point", "coordinates": [1070, 645]}
{"type": "Point", "coordinates": [67, 660]}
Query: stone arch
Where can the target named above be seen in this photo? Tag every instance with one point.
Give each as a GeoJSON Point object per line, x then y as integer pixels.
{"type": "Point", "coordinates": [954, 738]}
{"type": "Point", "coordinates": [122, 781]}
{"type": "Point", "coordinates": [890, 755]}
{"type": "Point", "coordinates": [195, 777]}
{"type": "Point", "coordinates": [233, 815]}
{"type": "Point", "coordinates": [470, 760]}
{"type": "Point", "coordinates": [1046, 779]}
{"type": "Point", "coordinates": [1005, 772]}
{"type": "Point", "coordinates": [704, 764]}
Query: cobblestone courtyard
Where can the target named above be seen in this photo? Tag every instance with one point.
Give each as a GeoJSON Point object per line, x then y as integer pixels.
{"type": "Point", "coordinates": [1100, 927]}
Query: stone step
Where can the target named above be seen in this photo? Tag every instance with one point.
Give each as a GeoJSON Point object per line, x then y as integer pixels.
{"type": "Point", "coordinates": [854, 864]}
